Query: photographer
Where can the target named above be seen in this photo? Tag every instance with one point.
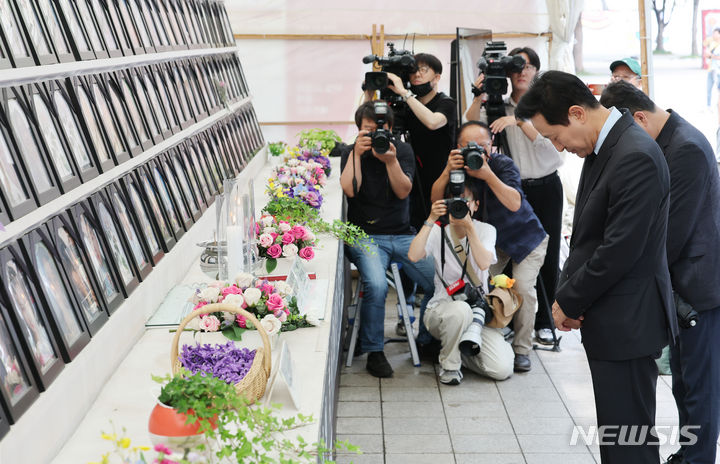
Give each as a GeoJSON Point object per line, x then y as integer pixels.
{"type": "Point", "coordinates": [521, 238]}
{"type": "Point", "coordinates": [693, 234]}
{"type": "Point", "coordinates": [448, 319]}
{"type": "Point", "coordinates": [431, 124]}
{"type": "Point", "coordinates": [377, 184]}
{"type": "Point", "coordinates": [538, 161]}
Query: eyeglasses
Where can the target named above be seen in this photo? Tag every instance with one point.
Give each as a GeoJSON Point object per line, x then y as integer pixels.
{"type": "Point", "coordinates": [623, 77]}
{"type": "Point", "coordinates": [423, 69]}
{"type": "Point", "coordinates": [529, 67]}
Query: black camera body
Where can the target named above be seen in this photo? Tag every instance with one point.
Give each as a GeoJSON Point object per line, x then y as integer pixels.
{"type": "Point", "coordinates": [381, 137]}
{"type": "Point", "coordinates": [402, 64]}
{"type": "Point", "coordinates": [473, 155]}
{"type": "Point", "coordinates": [497, 67]}
{"type": "Point", "coordinates": [456, 205]}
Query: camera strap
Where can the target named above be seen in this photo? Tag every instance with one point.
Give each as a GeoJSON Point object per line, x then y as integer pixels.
{"type": "Point", "coordinates": [460, 253]}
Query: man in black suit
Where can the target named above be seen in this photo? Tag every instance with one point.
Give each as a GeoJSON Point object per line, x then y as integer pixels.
{"type": "Point", "coordinates": [692, 241]}
{"type": "Point", "coordinates": [615, 283]}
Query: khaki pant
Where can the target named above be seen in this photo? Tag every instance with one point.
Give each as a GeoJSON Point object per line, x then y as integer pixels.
{"type": "Point", "coordinates": [525, 274]}
{"type": "Point", "coordinates": [448, 321]}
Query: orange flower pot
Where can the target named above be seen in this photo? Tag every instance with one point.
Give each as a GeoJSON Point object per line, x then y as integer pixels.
{"type": "Point", "coordinates": [170, 428]}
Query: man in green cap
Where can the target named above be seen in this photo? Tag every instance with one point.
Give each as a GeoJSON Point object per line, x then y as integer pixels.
{"type": "Point", "coordinates": [628, 70]}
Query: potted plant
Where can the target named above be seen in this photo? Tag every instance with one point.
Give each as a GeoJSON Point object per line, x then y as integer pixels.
{"type": "Point", "coordinates": [324, 140]}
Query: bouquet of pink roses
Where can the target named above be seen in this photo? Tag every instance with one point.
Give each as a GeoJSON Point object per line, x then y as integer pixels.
{"type": "Point", "coordinates": [279, 239]}
{"type": "Point", "coordinates": [271, 302]}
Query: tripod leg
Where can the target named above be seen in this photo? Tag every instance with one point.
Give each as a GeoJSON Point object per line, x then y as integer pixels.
{"type": "Point", "coordinates": [402, 308]}
{"type": "Point", "coordinates": [556, 340]}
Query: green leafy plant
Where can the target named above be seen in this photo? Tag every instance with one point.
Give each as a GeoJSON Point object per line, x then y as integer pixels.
{"type": "Point", "coordinates": [318, 138]}
{"type": "Point", "coordinates": [277, 148]}
{"type": "Point", "coordinates": [294, 209]}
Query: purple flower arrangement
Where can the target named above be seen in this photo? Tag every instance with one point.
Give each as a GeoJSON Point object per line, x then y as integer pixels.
{"type": "Point", "coordinates": [226, 362]}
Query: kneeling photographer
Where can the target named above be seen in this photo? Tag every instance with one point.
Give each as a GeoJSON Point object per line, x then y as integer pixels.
{"type": "Point", "coordinates": [457, 312]}
{"type": "Point", "coordinates": [520, 236]}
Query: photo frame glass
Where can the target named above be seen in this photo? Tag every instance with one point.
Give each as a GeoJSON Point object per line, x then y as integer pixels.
{"type": "Point", "coordinates": [13, 378]}
{"type": "Point", "coordinates": [145, 220]}
{"type": "Point", "coordinates": [150, 22]}
{"type": "Point", "coordinates": [164, 197]}
{"type": "Point", "coordinates": [80, 281]}
{"type": "Point", "coordinates": [57, 297]}
{"type": "Point", "coordinates": [12, 30]}
{"type": "Point", "coordinates": [72, 131]}
{"type": "Point", "coordinates": [34, 27]}
{"type": "Point", "coordinates": [116, 248]}
{"type": "Point", "coordinates": [155, 207]}
{"type": "Point", "coordinates": [183, 97]}
{"type": "Point", "coordinates": [87, 20]}
{"type": "Point", "coordinates": [160, 22]}
{"type": "Point", "coordinates": [145, 104]}
{"type": "Point", "coordinates": [133, 110]}
{"type": "Point", "coordinates": [202, 172]}
{"type": "Point", "coordinates": [171, 14]}
{"type": "Point", "coordinates": [139, 23]}
{"type": "Point", "coordinates": [189, 90]}
{"type": "Point", "coordinates": [28, 145]}
{"type": "Point", "coordinates": [104, 26]}
{"type": "Point", "coordinates": [184, 184]}
{"type": "Point", "coordinates": [190, 172]}
{"type": "Point", "coordinates": [133, 239]}
{"type": "Point", "coordinates": [15, 192]}
{"type": "Point", "coordinates": [53, 24]}
{"type": "Point", "coordinates": [127, 21]}
{"type": "Point", "coordinates": [30, 321]}
{"type": "Point", "coordinates": [107, 119]}
{"type": "Point", "coordinates": [52, 139]}
{"type": "Point", "coordinates": [170, 101]}
{"type": "Point", "coordinates": [92, 125]}
{"type": "Point", "coordinates": [175, 190]}
{"type": "Point", "coordinates": [74, 22]}
{"type": "Point", "coordinates": [97, 256]}
{"type": "Point", "coordinates": [211, 159]}
{"type": "Point", "coordinates": [152, 91]}
{"type": "Point", "coordinates": [122, 119]}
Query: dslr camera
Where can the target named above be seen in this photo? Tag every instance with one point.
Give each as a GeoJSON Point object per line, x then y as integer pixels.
{"type": "Point", "coordinates": [497, 67]}
{"type": "Point", "coordinates": [472, 154]}
{"type": "Point", "coordinates": [401, 63]}
{"type": "Point", "coordinates": [471, 339]}
{"type": "Point", "coordinates": [456, 205]}
{"type": "Point", "coordinates": [381, 137]}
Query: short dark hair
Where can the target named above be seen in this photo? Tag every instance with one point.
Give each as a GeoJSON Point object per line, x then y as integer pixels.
{"type": "Point", "coordinates": [470, 184]}
{"type": "Point", "coordinates": [622, 94]}
{"type": "Point", "coordinates": [430, 60]}
{"type": "Point", "coordinates": [534, 58]}
{"type": "Point", "coordinates": [552, 94]}
{"type": "Point", "coordinates": [367, 111]}
{"type": "Point", "coordinates": [469, 124]}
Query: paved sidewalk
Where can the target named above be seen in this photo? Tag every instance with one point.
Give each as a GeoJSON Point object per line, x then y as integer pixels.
{"type": "Point", "coordinates": [529, 418]}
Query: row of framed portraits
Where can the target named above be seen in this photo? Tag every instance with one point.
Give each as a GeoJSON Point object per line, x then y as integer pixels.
{"type": "Point", "coordinates": [39, 32]}
{"type": "Point", "coordinates": [61, 281]}
{"type": "Point", "coordinates": [57, 134]}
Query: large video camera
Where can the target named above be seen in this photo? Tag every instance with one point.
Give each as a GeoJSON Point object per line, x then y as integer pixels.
{"type": "Point", "coordinates": [497, 67]}
{"type": "Point", "coordinates": [402, 64]}
{"type": "Point", "coordinates": [456, 206]}
{"type": "Point", "coordinates": [381, 138]}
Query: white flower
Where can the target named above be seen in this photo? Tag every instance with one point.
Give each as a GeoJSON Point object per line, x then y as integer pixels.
{"type": "Point", "coordinates": [252, 295]}
{"type": "Point", "coordinates": [234, 299]}
{"type": "Point", "coordinates": [229, 317]}
{"type": "Point", "coordinates": [271, 324]}
{"type": "Point", "coordinates": [209, 324]}
{"type": "Point", "coordinates": [284, 226]}
{"type": "Point", "coordinates": [209, 294]}
{"type": "Point", "coordinates": [244, 280]}
{"type": "Point", "coordinates": [265, 240]}
{"type": "Point", "coordinates": [309, 236]}
{"type": "Point", "coordinates": [269, 230]}
{"type": "Point", "coordinates": [266, 220]}
{"type": "Point", "coordinates": [290, 250]}
{"type": "Point", "coordinates": [293, 162]}
{"type": "Point", "coordinates": [283, 288]}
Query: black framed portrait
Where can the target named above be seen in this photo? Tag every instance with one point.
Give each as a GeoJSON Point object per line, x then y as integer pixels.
{"type": "Point", "coordinates": [154, 25]}
{"type": "Point", "coordinates": [143, 28]}
{"type": "Point", "coordinates": [96, 248]}
{"type": "Point", "coordinates": [163, 176]}
{"type": "Point", "coordinates": [238, 72]}
{"type": "Point", "coordinates": [38, 34]}
{"type": "Point", "coordinates": [108, 87]}
{"type": "Point", "coordinates": [100, 15]}
{"type": "Point", "coordinates": [124, 101]}
{"type": "Point", "coordinates": [152, 174]}
{"type": "Point", "coordinates": [146, 206]}
{"type": "Point", "coordinates": [66, 170]}
{"type": "Point", "coordinates": [180, 190]}
{"type": "Point", "coordinates": [64, 314]}
{"type": "Point", "coordinates": [189, 84]}
{"type": "Point", "coordinates": [213, 24]}
{"type": "Point", "coordinates": [177, 94]}
{"type": "Point", "coordinates": [155, 77]}
{"type": "Point", "coordinates": [209, 144]}
{"type": "Point", "coordinates": [100, 132]}
{"type": "Point", "coordinates": [15, 186]}
{"type": "Point", "coordinates": [93, 28]}
{"type": "Point", "coordinates": [168, 12]}
{"type": "Point", "coordinates": [226, 144]}
{"type": "Point", "coordinates": [116, 39]}
{"type": "Point", "coordinates": [202, 170]}
{"type": "Point", "coordinates": [18, 388]}
{"type": "Point", "coordinates": [4, 421]}
{"type": "Point", "coordinates": [78, 271]}
{"type": "Point", "coordinates": [67, 122]}
{"type": "Point", "coordinates": [159, 101]}
{"type": "Point", "coordinates": [28, 143]}
{"type": "Point", "coordinates": [61, 38]}
{"type": "Point", "coordinates": [208, 166]}
{"type": "Point", "coordinates": [237, 132]}
{"type": "Point", "coordinates": [225, 18]}
{"type": "Point", "coordinates": [145, 252]}
{"type": "Point", "coordinates": [183, 17]}
{"type": "Point", "coordinates": [230, 79]}
{"type": "Point", "coordinates": [119, 251]}
{"type": "Point", "coordinates": [18, 48]}
{"type": "Point", "coordinates": [127, 23]}
{"type": "Point", "coordinates": [151, 110]}
{"type": "Point", "coordinates": [82, 43]}
{"type": "Point", "coordinates": [162, 24]}
{"type": "Point", "coordinates": [207, 85]}
{"type": "Point", "coordinates": [28, 317]}
{"type": "Point", "coordinates": [182, 161]}
{"type": "Point", "coordinates": [175, 169]}
{"type": "Point", "coordinates": [198, 15]}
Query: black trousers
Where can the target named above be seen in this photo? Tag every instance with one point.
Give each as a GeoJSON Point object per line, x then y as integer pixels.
{"type": "Point", "coordinates": [546, 198]}
{"type": "Point", "coordinates": [695, 364]}
{"type": "Point", "coordinates": [625, 396]}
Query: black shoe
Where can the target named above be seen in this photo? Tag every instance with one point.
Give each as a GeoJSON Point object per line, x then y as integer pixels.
{"type": "Point", "coordinates": [676, 458]}
{"type": "Point", "coordinates": [522, 363]}
{"type": "Point", "coordinates": [377, 365]}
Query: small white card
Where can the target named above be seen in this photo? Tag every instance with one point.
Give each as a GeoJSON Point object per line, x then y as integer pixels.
{"type": "Point", "coordinates": [283, 372]}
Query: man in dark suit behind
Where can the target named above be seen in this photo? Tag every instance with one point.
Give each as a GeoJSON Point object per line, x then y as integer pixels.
{"type": "Point", "coordinates": [692, 241]}
{"type": "Point", "coordinates": [615, 283]}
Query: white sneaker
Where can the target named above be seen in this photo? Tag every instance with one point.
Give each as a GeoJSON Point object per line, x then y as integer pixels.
{"type": "Point", "coordinates": [450, 377]}
{"type": "Point", "coordinates": [544, 336]}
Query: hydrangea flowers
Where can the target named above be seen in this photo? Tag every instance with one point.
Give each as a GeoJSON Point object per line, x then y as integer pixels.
{"type": "Point", "coordinates": [225, 362]}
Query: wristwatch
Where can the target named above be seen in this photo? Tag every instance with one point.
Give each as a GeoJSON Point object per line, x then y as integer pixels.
{"type": "Point", "coordinates": [428, 223]}
{"type": "Point", "coordinates": [409, 94]}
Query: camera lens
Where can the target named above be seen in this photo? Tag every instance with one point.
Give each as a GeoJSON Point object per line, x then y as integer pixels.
{"type": "Point", "coordinates": [474, 160]}
{"type": "Point", "coordinates": [380, 142]}
{"type": "Point", "coordinates": [458, 208]}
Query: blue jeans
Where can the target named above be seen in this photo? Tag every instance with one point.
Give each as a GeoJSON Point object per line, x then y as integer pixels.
{"type": "Point", "coordinates": [712, 79]}
{"type": "Point", "coordinates": [385, 249]}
